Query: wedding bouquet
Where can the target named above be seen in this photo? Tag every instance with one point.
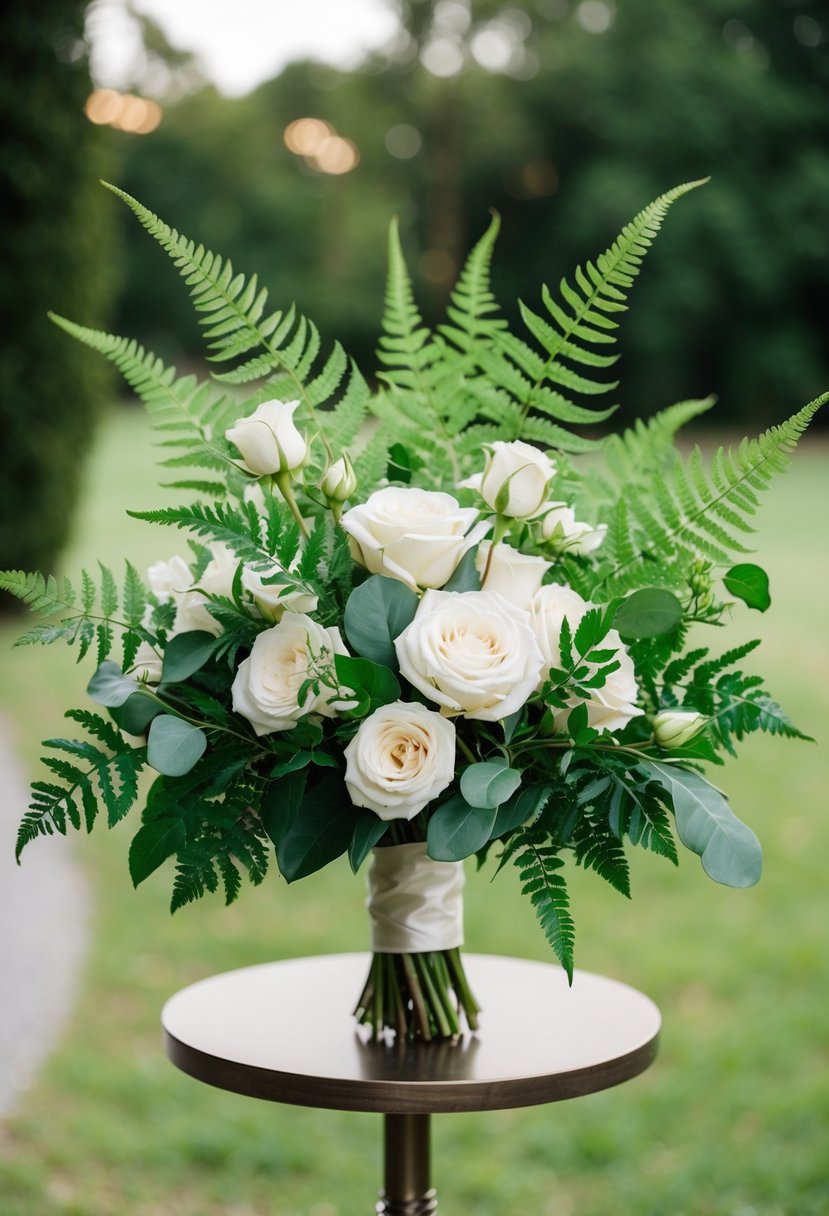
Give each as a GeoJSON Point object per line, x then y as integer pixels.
{"type": "Point", "coordinates": [420, 621]}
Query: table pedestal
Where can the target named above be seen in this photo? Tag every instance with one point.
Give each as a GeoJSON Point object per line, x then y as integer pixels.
{"type": "Point", "coordinates": [285, 1032]}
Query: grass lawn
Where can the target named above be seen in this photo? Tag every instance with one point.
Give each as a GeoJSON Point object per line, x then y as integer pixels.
{"type": "Point", "coordinates": [733, 1120]}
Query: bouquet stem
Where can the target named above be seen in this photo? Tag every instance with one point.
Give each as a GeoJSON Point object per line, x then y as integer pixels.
{"type": "Point", "coordinates": [418, 996]}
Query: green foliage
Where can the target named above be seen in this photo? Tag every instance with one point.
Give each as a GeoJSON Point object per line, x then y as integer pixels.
{"type": "Point", "coordinates": [688, 511]}
{"type": "Point", "coordinates": [84, 777]}
{"type": "Point", "coordinates": [539, 863]}
{"type": "Point", "coordinates": [58, 251]}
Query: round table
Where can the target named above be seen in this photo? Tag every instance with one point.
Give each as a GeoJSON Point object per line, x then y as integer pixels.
{"type": "Point", "coordinates": [285, 1032]}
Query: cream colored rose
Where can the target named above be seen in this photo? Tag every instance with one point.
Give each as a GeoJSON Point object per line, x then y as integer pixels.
{"type": "Point", "coordinates": [516, 479]}
{"type": "Point", "coordinates": [268, 440]}
{"type": "Point", "coordinates": [170, 578]}
{"type": "Point", "coordinates": [402, 757]}
{"type": "Point", "coordinates": [267, 683]}
{"type": "Point", "coordinates": [473, 654]}
{"type": "Point", "coordinates": [565, 534]}
{"type": "Point", "coordinates": [610, 707]}
{"type": "Point", "coordinates": [192, 610]}
{"type": "Point", "coordinates": [675, 727]}
{"type": "Point", "coordinates": [513, 575]}
{"type": "Point", "coordinates": [272, 599]}
{"type": "Point", "coordinates": [416, 536]}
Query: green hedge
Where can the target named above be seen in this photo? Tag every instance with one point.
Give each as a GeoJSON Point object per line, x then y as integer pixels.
{"type": "Point", "coordinates": [57, 231]}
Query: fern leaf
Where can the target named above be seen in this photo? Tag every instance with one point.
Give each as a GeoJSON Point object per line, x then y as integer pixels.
{"type": "Point", "coordinates": [539, 867]}
{"type": "Point", "coordinates": [472, 304]}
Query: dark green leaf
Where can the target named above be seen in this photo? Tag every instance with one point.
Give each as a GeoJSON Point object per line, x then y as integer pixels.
{"type": "Point", "coordinates": [648, 613]}
{"type": "Point", "coordinates": [109, 686]}
{"type": "Point", "coordinates": [152, 845]}
{"type": "Point", "coordinates": [749, 583]}
{"type": "Point", "coordinates": [174, 746]}
{"type": "Point", "coordinates": [322, 829]}
{"type": "Point", "coordinates": [457, 829]}
{"type": "Point", "coordinates": [137, 712]}
{"type": "Point", "coordinates": [523, 807]}
{"type": "Point", "coordinates": [371, 683]}
{"type": "Point", "coordinates": [186, 654]}
{"type": "Point", "coordinates": [376, 613]}
{"type": "Point", "coordinates": [369, 829]}
{"type": "Point", "coordinates": [466, 576]}
{"type": "Point", "coordinates": [281, 802]}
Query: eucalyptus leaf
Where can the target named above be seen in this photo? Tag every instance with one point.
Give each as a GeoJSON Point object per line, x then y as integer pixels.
{"type": "Point", "coordinates": [729, 850]}
{"type": "Point", "coordinates": [376, 613]}
{"type": "Point", "coordinates": [187, 653]}
{"type": "Point", "coordinates": [490, 783]}
{"type": "Point", "coordinates": [109, 686]}
{"type": "Point", "coordinates": [174, 746]}
{"type": "Point", "coordinates": [137, 712]}
{"type": "Point", "coordinates": [749, 583]}
{"type": "Point", "coordinates": [523, 808]}
{"type": "Point", "coordinates": [647, 613]}
{"type": "Point", "coordinates": [456, 829]}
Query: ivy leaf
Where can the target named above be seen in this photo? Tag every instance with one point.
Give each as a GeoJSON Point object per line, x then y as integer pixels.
{"type": "Point", "coordinates": [749, 583]}
{"type": "Point", "coordinates": [490, 783]}
{"type": "Point", "coordinates": [109, 686]}
{"type": "Point", "coordinates": [174, 746]}
{"type": "Point", "coordinates": [457, 829]}
{"type": "Point", "coordinates": [647, 613]}
{"type": "Point", "coordinates": [376, 613]}
{"type": "Point", "coordinates": [152, 845]}
{"type": "Point", "coordinates": [369, 829]}
{"type": "Point", "coordinates": [729, 850]}
{"type": "Point", "coordinates": [187, 653]}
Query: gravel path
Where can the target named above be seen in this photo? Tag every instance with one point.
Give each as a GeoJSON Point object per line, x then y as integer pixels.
{"type": "Point", "coordinates": [44, 921]}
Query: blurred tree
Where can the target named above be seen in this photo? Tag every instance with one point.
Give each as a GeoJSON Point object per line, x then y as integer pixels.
{"type": "Point", "coordinates": [567, 117]}
{"type": "Point", "coordinates": [57, 255]}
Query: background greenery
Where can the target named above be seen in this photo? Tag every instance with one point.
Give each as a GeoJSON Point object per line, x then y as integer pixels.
{"type": "Point", "coordinates": [732, 1119]}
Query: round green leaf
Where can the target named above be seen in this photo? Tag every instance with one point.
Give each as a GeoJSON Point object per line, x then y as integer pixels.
{"type": "Point", "coordinates": [647, 613]}
{"type": "Point", "coordinates": [174, 746]}
{"type": "Point", "coordinates": [109, 686]}
{"type": "Point", "coordinates": [749, 583]}
{"type": "Point", "coordinates": [490, 783]}
{"type": "Point", "coordinates": [456, 829]}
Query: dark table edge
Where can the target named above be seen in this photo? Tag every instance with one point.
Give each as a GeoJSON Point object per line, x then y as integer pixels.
{"type": "Point", "coordinates": [406, 1097]}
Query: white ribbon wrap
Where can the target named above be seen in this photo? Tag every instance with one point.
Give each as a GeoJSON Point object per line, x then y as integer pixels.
{"type": "Point", "coordinates": [415, 903]}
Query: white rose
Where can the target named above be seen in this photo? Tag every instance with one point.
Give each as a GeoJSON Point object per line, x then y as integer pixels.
{"type": "Point", "coordinates": [268, 440]}
{"type": "Point", "coordinates": [170, 578]}
{"type": "Point", "coordinates": [608, 708]}
{"type": "Point", "coordinates": [340, 481]}
{"type": "Point", "coordinates": [192, 610]}
{"type": "Point", "coordinates": [516, 479]}
{"type": "Point", "coordinates": [402, 757]}
{"type": "Point", "coordinates": [147, 664]}
{"type": "Point", "coordinates": [516, 576]}
{"type": "Point", "coordinates": [267, 683]}
{"type": "Point", "coordinates": [416, 536]}
{"type": "Point", "coordinates": [567, 535]}
{"type": "Point", "coordinates": [272, 599]}
{"type": "Point", "coordinates": [675, 727]}
{"type": "Point", "coordinates": [473, 654]}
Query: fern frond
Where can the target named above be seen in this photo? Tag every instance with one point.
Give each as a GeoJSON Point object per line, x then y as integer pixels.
{"type": "Point", "coordinates": [688, 513]}
{"type": "Point", "coordinates": [472, 304]}
{"type": "Point", "coordinates": [539, 866]}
